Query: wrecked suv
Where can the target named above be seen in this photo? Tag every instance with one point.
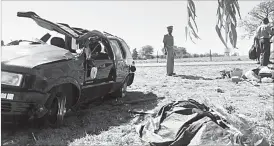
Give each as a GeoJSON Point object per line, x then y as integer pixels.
{"type": "Point", "coordinates": [51, 75]}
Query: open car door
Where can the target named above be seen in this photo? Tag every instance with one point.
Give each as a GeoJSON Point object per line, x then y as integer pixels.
{"type": "Point", "coordinates": [58, 27]}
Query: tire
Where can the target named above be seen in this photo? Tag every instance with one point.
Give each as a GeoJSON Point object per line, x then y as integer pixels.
{"type": "Point", "coordinates": [121, 92]}
{"type": "Point", "coordinates": [56, 110]}
{"type": "Point", "coordinates": [131, 78]}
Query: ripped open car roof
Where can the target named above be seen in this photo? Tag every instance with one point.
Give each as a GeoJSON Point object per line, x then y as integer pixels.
{"type": "Point", "coordinates": [65, 29]}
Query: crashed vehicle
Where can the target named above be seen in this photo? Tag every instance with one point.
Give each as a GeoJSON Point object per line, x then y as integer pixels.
{"type": "Point", "coordinates": [44, 81]}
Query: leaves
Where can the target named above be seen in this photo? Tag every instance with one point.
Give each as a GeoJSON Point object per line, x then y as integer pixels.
{"type": "Point", "coordinates": [226, 21]}
{"type": "Point", "coordinates": [189, 29]}
{"type": "Point", "coordinates": [226, 14]}
{"type": "Point", "coordinates": [233, 35]}
{"type": "Point", "coordinates": [186, 30]}
{"type": "Point", "coordinates": [218, 30]}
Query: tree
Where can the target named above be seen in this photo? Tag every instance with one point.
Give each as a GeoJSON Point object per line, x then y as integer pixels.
{"type": "Point", "coordinates": [187, 55]}
{"type": "Point", "coordinates": [147, 51]}
{"type": "Point", "coordinates": [235, 54]}
{"type": "Point", "coordinates": [202, 55]}
{"type": "Point", "coordinates": [226, 21]}
{"type": "Point", "coordinates": [195, 55]}
{"type": "Point", "coordinates": [250, 23]}
{"type": "Point", "coordinates": [180, 51]}
{"type": "Point", "coordinates": [135, 54]}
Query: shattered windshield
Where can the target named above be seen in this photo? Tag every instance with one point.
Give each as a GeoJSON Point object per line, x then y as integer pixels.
{"type": "Point", "coordinates": [45, 39]}
{"type": "Point", "coordinates": [26, 42]}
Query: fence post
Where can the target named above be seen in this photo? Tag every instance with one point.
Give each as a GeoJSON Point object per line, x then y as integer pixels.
{"type": "Point", "coordinates": [157, 56]}
{"type": "Point", "coordinates": [210, 55]}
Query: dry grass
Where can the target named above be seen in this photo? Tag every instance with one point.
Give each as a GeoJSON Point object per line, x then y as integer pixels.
{"type": "Point", "coordinates": [108, 124]}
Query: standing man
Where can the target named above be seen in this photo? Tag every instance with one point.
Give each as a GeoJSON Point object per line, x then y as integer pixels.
{"type": "Point", "coordinates": [168, 48]}
{"type": "Point", "coordinates": [263, 33]}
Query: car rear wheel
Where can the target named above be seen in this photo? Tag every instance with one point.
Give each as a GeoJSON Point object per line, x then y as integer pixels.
{"type": "Point", "coordinates": [56, 110]}
{"type": "Point", "coordinates": [121, 92]}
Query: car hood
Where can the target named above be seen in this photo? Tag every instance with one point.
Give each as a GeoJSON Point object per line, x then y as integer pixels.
{"type": "Point", "coordinates": [29, 56]}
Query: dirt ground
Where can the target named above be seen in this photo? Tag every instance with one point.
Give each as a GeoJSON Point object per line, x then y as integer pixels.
{"type": "Point", "coordinates": [109, 122]}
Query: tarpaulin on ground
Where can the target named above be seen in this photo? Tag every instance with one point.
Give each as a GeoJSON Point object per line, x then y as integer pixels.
{"type": "Point", "coordinates": [177, 124]}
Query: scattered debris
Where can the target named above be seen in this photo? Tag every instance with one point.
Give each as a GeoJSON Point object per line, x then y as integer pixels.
{"type": "Point", "coordinates": [230, 109]}
{"type": "Point", "coordinates": [266, 72]}
{"type": "Point", "coordinates": [260, 75]}
{"type": "Point", "coordinates": [252, 76]}
{"type": "Point", "coordinates": [219, 90]}
{"type": "Point", "coordinates": [225, 74]}
{"type": "Point", "coordinates": [33, 136]}
{"type": "Point", "coordinates": [236, 79]}
{"type": "Point", "coordinates": [178, 123]}
{"type": "Point", "coordinates": [266, 80]}
{"type": "Point", "coordinates": [236, 72]}
{"type": "Point", "coordinates": [140, 112]}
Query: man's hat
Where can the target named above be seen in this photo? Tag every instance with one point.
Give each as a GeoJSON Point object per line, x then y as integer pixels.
{"type": "Point", "coordinates": [170, 27]}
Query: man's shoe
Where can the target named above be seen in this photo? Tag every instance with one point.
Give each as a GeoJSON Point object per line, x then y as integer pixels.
{"type": "Point", "coordinates": [169, 74]}
{"type": "Point", "coordinates": [173, 74]}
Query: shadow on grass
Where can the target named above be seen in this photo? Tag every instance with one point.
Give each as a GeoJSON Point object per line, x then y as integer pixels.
{"type": "Point", "coordinates": [99, 116]}
{"type": "Point", "coordinates": [191, 77]}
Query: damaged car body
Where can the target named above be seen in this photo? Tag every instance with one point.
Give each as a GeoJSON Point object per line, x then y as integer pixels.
{"type": "Point", "coordinates": [42, 80]}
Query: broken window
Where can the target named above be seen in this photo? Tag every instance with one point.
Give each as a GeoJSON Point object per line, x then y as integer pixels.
{"type": "Point", "coordinates": [116, 49]}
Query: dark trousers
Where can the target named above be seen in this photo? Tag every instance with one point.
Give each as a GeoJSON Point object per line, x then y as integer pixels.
{"type": "Point", "coordinates": [258, 50]}
{"type": "Point", "coordinates": [265, 51]}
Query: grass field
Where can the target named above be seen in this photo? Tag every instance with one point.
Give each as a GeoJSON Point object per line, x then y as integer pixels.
{"type": "Point", "coordinates": [106, 123]}
{"type": "Point", "coordinates": [200, 59]}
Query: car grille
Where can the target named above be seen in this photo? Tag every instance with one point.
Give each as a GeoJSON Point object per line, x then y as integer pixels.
{"type": "Point", "coordinates": [5, 107]}
{"type": "Point", "coordinates": [13, 107]}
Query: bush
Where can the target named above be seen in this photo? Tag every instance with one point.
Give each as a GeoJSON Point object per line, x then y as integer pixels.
{"type": "Point", "coordinates": [196, 55]}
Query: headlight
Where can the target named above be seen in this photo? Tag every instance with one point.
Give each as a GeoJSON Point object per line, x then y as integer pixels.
{"type": "Point", "coordinates": [12, 79]}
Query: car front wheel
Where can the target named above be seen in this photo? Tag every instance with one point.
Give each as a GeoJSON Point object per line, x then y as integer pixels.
{"type": "Point", "coordinates": [56, 110]}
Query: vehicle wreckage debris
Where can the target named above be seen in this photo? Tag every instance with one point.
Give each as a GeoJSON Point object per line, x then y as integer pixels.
{"type": "Point", "coordinates": [33, 136]}
{"type": "Point", "coordinates": [254, 76]}
{"type": "Point", "coordinates": [219, 90]}
{"type": "Point", "coordinates": [88, 64]}
{"type": "Point", "coordinates": [140, 112]}
{"type": "Point", "coordinates": [183, 123]}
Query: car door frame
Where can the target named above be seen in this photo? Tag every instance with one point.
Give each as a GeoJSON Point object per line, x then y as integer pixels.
{"type": "Point", "coordinates": [99, 87]}
{"type": "Point", "coordinates": [120, 66]}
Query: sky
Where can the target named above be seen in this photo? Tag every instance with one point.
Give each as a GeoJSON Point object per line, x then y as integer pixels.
{"type": "Point", "coordinates": [139, 23]}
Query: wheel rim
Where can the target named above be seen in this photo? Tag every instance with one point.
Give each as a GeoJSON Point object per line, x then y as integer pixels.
{"type": "Point", "coordinates": [57, 111]}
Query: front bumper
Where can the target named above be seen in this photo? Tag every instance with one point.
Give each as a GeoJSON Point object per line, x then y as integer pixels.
{"type": "Point", "coordinates": [27, 104]}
